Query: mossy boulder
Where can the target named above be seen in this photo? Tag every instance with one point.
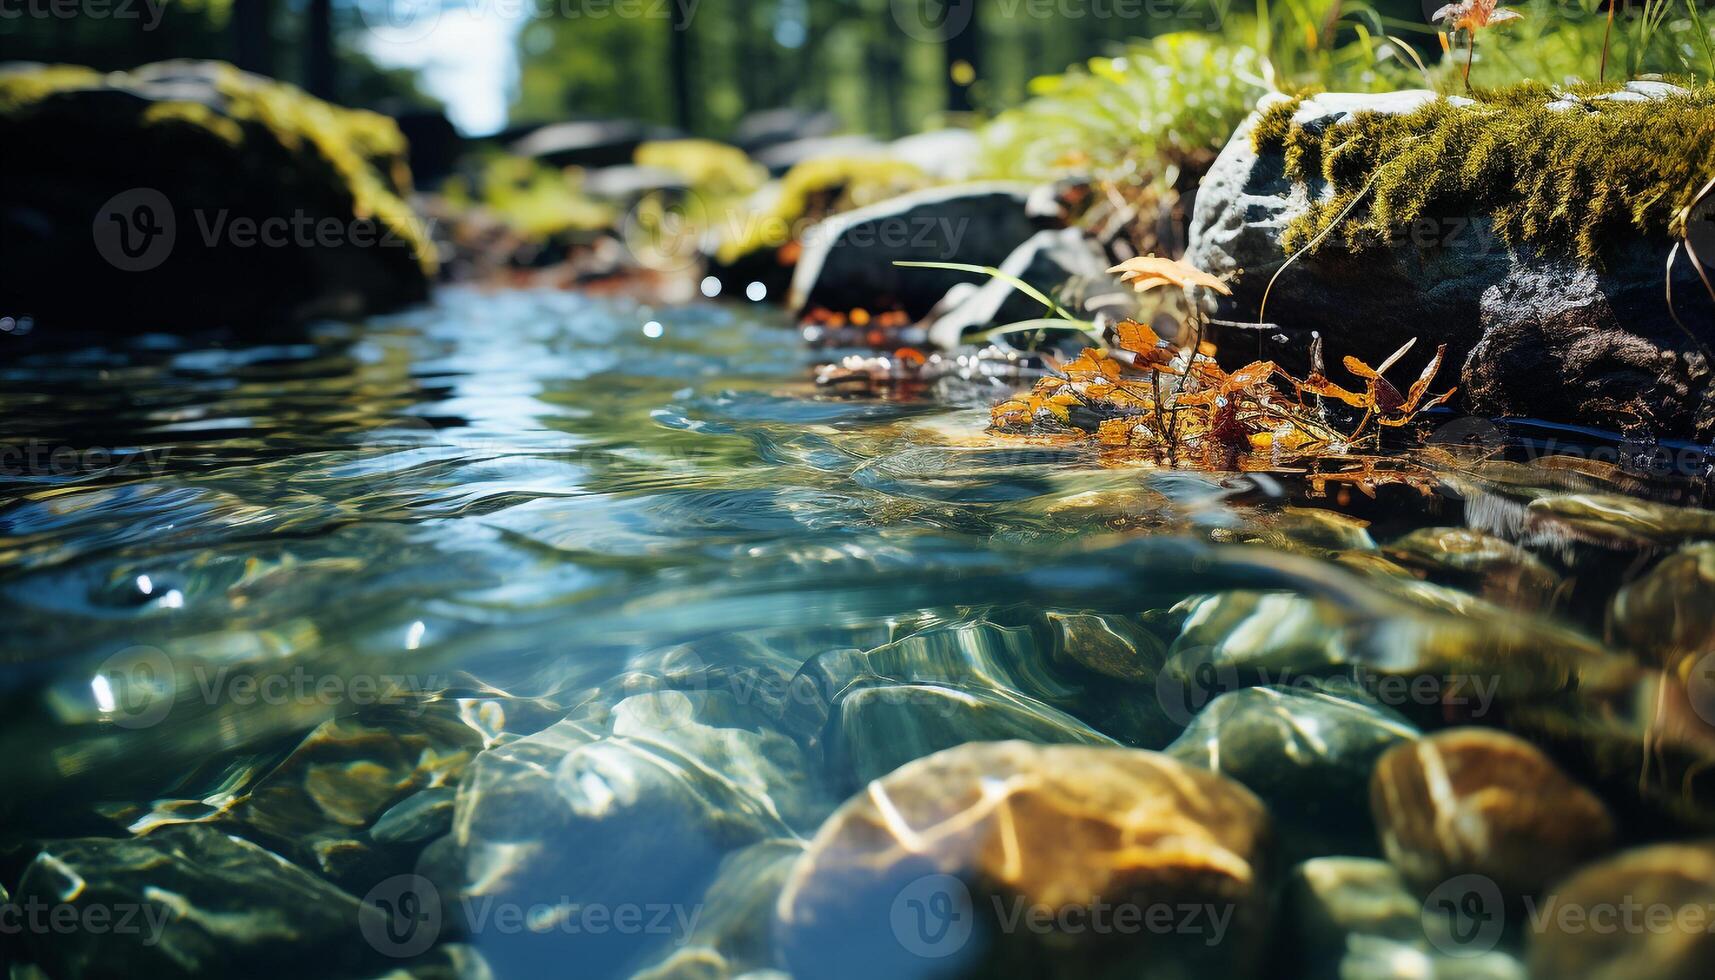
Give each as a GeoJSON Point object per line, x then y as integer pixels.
{"type": "Point", "coordinates": [1529, 229]}
{"type": "Point", "coordinates": [186, 195]}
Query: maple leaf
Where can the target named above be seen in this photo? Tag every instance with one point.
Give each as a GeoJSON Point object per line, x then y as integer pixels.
{"type": "Point", "coordinates": [1148, 272]}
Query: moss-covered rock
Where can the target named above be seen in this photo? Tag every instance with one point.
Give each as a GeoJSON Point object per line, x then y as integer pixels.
{"type": "Point", "coordinates": [190, 194]}
{"type": "Point", "coordinates": [1528, 229]}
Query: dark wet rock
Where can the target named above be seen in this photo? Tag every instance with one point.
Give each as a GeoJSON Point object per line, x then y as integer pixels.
{"type": "Point", "coordinates": [1478, 801]}
{"type": "Point", "coordinates": [1355, 919]}
{"type": "Point", "coordinates": [216, 199]}
{"type": "Point", "coordinates": [1616, 519]}
{"type": "Point", "coordinates": [919, 875]}
{"type": "Point", "coordinates": [782, 157]}
{"type": "Point", "coordinates": [1492, 567]}
{"type": "Point", "coordinates": [848, 259]}
{"type": "Point", "coordinates": [1474, 652]}
{"type": "Point", "coordinates": [1537, 335]}
{"type": "Point", "coordinates": [1659, 901]}
{"type": "Point", "coordinates": [418, 818]}
{"type": "Point", "coordinates": [1048, 260]}
{"type": "Point", "coordinates": [633, 807]}
{"type": "Point", "coordinates": [1333, 898]}
{"type": "Point", "coordinates": [1669, 613]}
{"type": "Point", "coordinates": [319, 804]}
{"type": "Point", "coordinates": [1306, 753]}
{"type": "Point", "coordinates": [878, 728]}
{"type": "Point", "coordinates": [589, 143]}
{"type": "Point", "coordinates": [1108, 645]}
{"type": "Point", "coordinates": [732, 934]}
{"type": "Point", "coordinates": [1011, 663]}
{"type": "Point", "coordinates": [209, 904]}
{"type": "Point", "coordinates": [1648, 747]}
{"type": "Point", "coordinates": [764, 128]}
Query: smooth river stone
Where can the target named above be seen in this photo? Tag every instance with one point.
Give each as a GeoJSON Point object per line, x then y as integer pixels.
{"type": "Point", "coordinates": [879, 728]}
{"type": "Point", "coordinates": [1306, 753]}
{"type": "Point", "coordinates": [1354, 918]}
{"type": "Point", "coordinates": [1014, 859]}
{"type": "Point", "coordinates": [1492, 567]}
{"type": "Point", "coordinates": [1479, 801]}
{"type": "Point", "coordinates": [1656, 906]}
{"type": "Point", "coordinates": [1108, 645]}
{"type": "Point", "coordinates": [732, 934]}
{"type": "Point", "coordinates": [635, 808]}
{"type": "Point", "coordinates": [228, 908]}
{"type": "Point", "coordinates": [1669, 613]}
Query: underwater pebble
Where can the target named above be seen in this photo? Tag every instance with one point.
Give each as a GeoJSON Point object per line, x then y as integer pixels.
{"type": "Point", "coordinates": [1478, 801]}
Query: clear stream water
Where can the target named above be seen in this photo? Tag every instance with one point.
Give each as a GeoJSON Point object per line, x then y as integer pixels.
{"type": "Point", "coordinates": [486, 516]}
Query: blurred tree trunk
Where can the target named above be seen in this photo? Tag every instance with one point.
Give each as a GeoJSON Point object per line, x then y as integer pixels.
{"type": "Point", "coordinates": [681, 53]}
{"type": "Point", "coordinates": [318, 50]}
{"type": "Point", "coordinates": [253, 45]}
{"type": "Point", "coordinates": [964, 46]}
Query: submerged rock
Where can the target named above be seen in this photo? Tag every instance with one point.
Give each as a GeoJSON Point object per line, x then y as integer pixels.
{"type": "Point", "coordinates": [1306, 753]}
{"type": "Point", "coordinates": [1494, 568]}
{"type": "Point", "coordinates": [732, 935]}
{"type": "Point", "coordinates": [848, 260]}
{"type": "Point", "coordinates": [1539, 335]}
{"type": "Point", "coordinates": [1642, 913]}
{"type": "Point", "coordinates": [1010, 859]}
{"type": "Point", "coordinates": [878, 728]}
{"type": "Point", "coordinates": [1478, 801]}
{"type": "Point", "coordinates": [216, 199]}
{"type": "Point", "coordinates": [1355, 919]}
{"type": "Point", "coordinates": [633, 810]}
{"type": "Point", "coordinates": [1669, 613]}
{"type": "Point", "coordinates": [205, 903]}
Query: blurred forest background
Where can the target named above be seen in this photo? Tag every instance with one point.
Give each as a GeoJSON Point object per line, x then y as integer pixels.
{"type": "Point", "coordinates": [700, 65]}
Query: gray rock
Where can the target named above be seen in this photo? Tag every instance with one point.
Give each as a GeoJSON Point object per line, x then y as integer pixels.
{"type": "Point", "coordinates": [1306, 753]}
{"type": "Point", "coordinates": [1047, 260]}
{"type": "Point", "coordinates": [1537, 335]}
{"type": "Point", "coordinates": [848, 259]}
{"type": "Point", "coordinates": [208, 904]}
{"type": "Point", "coordinates": [784, 156]}
{"type": "Point", "coordinates": [590, 143]}
{"type": "Point", "coordinates": [770, 127]}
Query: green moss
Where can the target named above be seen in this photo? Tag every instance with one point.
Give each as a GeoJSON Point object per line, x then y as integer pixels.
{"type": "Point", "coordinates": [1575, 181]}
{"type": "Point", "coordinates": [540, 202]}
{"type": "Point", "coordinates": [815, 189]}
{"type": "Point", "coordinates": [364, 150]}
{"type": "Point", "coordinates": [711, 168]}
